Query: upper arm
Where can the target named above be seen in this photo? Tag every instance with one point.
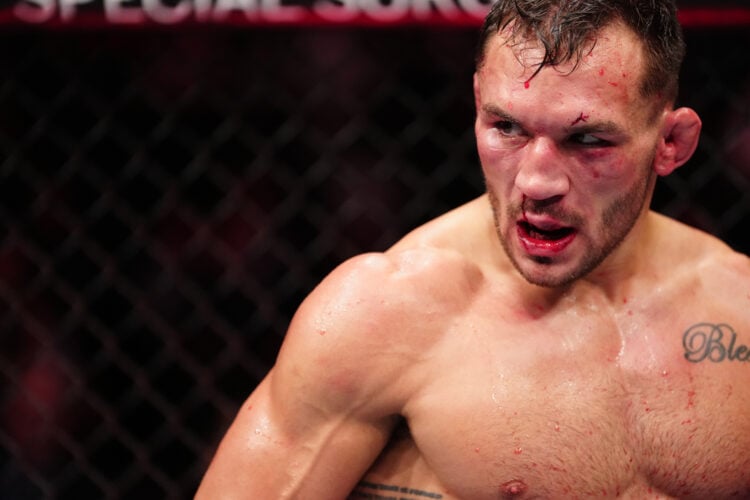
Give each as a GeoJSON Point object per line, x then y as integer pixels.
{"type": "Point", "coordinates": [325, 411]}
{"type": "Point", "coordinates": [270, 453]}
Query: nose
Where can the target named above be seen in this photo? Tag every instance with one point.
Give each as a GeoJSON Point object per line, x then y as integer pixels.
{"type": "Point", "coordinates": [542, 172]}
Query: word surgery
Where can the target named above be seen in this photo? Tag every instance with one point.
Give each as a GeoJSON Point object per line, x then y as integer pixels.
{"type": "Point", "coordinates": [281, 11]}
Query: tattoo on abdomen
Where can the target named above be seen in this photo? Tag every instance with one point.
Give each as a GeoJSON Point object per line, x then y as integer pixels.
{"type": "Point", "coordinates": [378, 491]}
{"type": "Point", "coordinates": [714, 342]}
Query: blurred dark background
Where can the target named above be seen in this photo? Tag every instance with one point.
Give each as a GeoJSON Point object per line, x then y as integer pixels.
{"type": "Point", "coordinates": [168, 197]}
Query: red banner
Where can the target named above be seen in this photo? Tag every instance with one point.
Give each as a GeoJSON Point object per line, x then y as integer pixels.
{"type": "Point", "coordinates": [103, 13]}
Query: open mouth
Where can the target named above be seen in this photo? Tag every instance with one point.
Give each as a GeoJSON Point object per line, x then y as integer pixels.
{"type": "Point", "coordinates": [545, 242]}
{"type": "Point", "coordinates": [536, 233]}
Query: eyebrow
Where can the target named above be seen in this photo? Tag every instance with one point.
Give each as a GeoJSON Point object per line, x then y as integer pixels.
{"type": "Point", "coordinates": [579, 126]}
{"type": "Point", "coordinates": [494, 110]}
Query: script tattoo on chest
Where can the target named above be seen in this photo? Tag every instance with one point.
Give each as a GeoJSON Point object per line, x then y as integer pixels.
{"type": "Point", "coordinates": [715, 343]}
{"type": "Point", "coordinates": [381, 491]}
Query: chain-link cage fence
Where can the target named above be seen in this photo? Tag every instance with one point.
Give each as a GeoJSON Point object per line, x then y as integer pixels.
{"type": "Point", "coordinates": [168, 197]}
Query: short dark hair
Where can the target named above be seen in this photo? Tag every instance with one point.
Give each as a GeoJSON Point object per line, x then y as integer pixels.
{"type": "Point", "coordinates": [566, 28]}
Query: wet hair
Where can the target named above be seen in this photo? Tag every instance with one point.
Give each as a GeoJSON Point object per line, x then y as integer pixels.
{"type": "Point", "coordinates": [567, 30]}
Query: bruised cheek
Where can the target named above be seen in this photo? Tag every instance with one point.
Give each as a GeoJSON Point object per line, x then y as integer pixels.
{"type": "Point", "coordinates": [603, 166]}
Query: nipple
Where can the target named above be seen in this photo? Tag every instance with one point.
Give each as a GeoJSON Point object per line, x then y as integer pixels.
{"type": "Point", "coordinates": [513, 489]}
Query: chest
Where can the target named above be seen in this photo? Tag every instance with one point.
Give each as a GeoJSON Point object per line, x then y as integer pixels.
{"type": "Point", "coordinates": [566, 420]}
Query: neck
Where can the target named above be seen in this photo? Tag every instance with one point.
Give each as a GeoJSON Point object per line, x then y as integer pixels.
{"type": "Point", "coordinates": [628, 263]}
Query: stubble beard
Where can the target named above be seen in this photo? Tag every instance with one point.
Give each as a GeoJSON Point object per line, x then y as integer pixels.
{"type": "Point", "coordinates": [617, 220]}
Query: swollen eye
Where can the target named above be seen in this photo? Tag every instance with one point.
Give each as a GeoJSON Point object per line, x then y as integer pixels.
{"type": "Point", "coordinates": [588, 140]}
{"type": "Point", "coordinates": [508, 127]}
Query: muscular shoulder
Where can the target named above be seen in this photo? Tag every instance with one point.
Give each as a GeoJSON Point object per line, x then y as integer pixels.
{"type": "Point", "coordinates": [407, 283]}
{"type": "Point", "coordinates": [434, 269]}
{"type": "Point", "coordinates": [725, 279]}
{"type": "Point", "coordinates": [710, 272]}
{"type": "Point", "coordinates": [725, 266]}
{"type": "Point", "coordinates": [372, 321]}
{"type": "Point", "coordinates": [715, 264]}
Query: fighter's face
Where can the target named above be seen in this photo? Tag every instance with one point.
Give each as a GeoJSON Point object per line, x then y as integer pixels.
{"type": "Point", "coordinates": [566, 155]}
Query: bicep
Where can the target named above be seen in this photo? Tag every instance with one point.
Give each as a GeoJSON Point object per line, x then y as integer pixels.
{"type": "Point", "coordinates": [326, 410]}
{"type": "Point", "coordinates": [276, 450]}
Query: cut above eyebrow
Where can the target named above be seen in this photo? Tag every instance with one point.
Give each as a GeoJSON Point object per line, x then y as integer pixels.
{"type": "Point", "coordinates": [606, 127]}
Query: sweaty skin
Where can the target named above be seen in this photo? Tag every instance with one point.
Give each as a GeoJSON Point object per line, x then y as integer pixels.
{"type": "Point", "coordinates": [515, 347]}
{"type": "Point", "coordinates": [584, 394]}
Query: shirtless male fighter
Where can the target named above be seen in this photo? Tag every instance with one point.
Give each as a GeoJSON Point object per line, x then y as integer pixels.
{"type": "Point", "coordinates": [553, 338]}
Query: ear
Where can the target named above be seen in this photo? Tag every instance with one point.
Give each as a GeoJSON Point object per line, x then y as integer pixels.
{"type": "Point", "coordinates": [679, 138]}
